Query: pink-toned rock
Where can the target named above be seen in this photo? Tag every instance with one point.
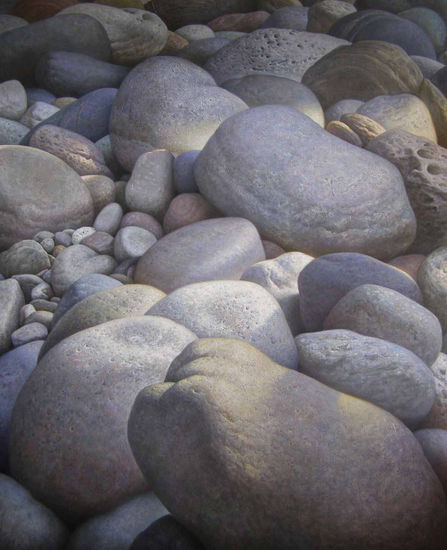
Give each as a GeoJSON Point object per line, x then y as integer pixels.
{"type": "Point", "coordinates": [174, 44]}
{"type": "Point", "coordinates": [141, 219]}
{"type": "Point", "coordinates": [188, 208]}
{"type": "Point", "coordinates": [410, 263]}
{"type": "Point", "coordinates": [241, 22]}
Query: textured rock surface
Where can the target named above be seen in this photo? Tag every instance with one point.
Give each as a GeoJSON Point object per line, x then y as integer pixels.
{"type": "Point", "coordinates": [13, 100]}
{"type": "Point", "coordinates": [437, 418]}
{"type": "Point", "coordinates": [433, 283]}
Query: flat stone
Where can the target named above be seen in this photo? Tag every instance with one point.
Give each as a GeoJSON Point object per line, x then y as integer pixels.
{"type": "Point", "coordinates": [11, 302]}
{"type": "Point", "coordinates": [13, 100]}
{"type": "Point", "coordinates": [29, 333]}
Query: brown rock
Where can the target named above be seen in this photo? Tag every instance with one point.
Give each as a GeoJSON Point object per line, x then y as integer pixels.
{"type": "Point", "coordinates": [410, 263]}
{"type": "Point", "coordinates": [343, 131]}
{"type": "Point", "coordinates": [174, 44]}
{"type": "Point", "coordinates": [366, 128]}
{"type": "Point", "coordinates": [241, 22]}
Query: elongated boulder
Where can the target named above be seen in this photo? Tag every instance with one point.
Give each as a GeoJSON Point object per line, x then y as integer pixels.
{"type": "Point", "coordinates": [328, 195]}
{"type": "Point", "coordinates": [254, 436]}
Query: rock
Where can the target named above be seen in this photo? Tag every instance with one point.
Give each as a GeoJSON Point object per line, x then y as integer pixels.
{"type": "Point", "coordinates": [381, 312]}
{"type": "Point", "coordinates": [76, 459]}
{"type": "Point", "coordinates": [373, 369]}
{"type": "Point", "coordinates": [37, 113]}
{"type": "Point", "coordinates": [433, 284]}
{"type": "Point", "coordinates": [429, 67]}
{"type": "Point", "coordinates": [35, 10]}
{"type": "Point", "coordinates": [62, 102]}
{"type": "Point", "coordinates": [188, 208]}
{"type": "Point", "coordinates": [323, 15]}
{"type": "Point", "coordinates": [430, 22]}
{"type": "Point", "coordinates": [140, 219]}
{"type": "Point", "coordinates": [80, 289]}
{"type": "Point", "coordinates": [59, 197]}
{"type": "Point", "coordinates": [240, 22]}
{"type": "Point", "coordinates": [102, 190]}
{"type": "Point", "coordinates": [11, 132]}
{"type": "Point", "coordinates": [344, 132]}
{"type": "Point", "coordinates": [423, 166]}
{"type": "Point", "coordinates": [293, 17]}
{"type": "Point", "coordinates": [75, 74]}
{"type": "Point", "coordinates": [26, 523]}
{"type": "Point", "coordinates": [280, 277]}
{"type": "Point", "coordinates": [24, 257]}
{"type": "Point", "coordinates": [76, 150]}
{"type": "Point", "coordinates": [259, 89]}
{"type": "Point", "coordinates": [355, 213]}
{"type": "Point", "coordinates": [76, 261]}
{"type": "Point", "coordinates": [232, 309]}
{"type": "Point", "coordinates": [362, 71]}
{"type": "Point", "coordinates": [25, 312]}
{"type": "Point", "coordinates": [183, 172]}
{"type": "Point", "coordinates": [437, 418]}
{"type": "Point", "coordinates": [81, 233]}
{"type": "Point", "coordinates": [344, 106]}
{"type": "Point", "coordinates": [150, 188]}
{"type": "Point", "coordinates": [114, 303]}
{"type": "Point", "coordinates": [100, 242]}
{"type": "Point", "coordinates": [29, 333]}
{"type": "Point", "coordinates": [195, 32]}
{"type": "Point", "coordinates": [11, 301]}
{"type": "Point", "coordinates": [13, 100]}
{"type": "Point", "coordinates": [42, 291]}
{"type": "Point", "coordinates": [436, 102]}
{"type": "Point", "coordinates": [410, 263]}
{"type": "Point", "coordinates": [105, 146]}
{"type": "Point", "coordinates": [174, 44]}
{"type": "Point", "coordinates": [434, 445]}
{"type": "Point", "coordinates": [132, 242]}
{"type": "Point", "coordinates": [166, 532]}
{"type": "Point", "coordinates": [230, 35]}
{"type": "Point", "coordinates": [9, 22]}
{"type": "Point", "coordinates": [281, 52]}
{"type": "Point", "coordinates": [15, 367]}
{"type": "Point", "coordinates": [117, 529]}
{"type": "Point", "coordinates": [223, 394]}
{"type": "Point", "coordinates": [23, 47]}
{"type": "Point", "coordinates": [220, 248]}
{"type": "Point", "coordinates": [134, 36]}
{"type": "Point", "coordinates": [325, 280]}
{"type": "Point", "coordinates": [365, 127]}
{"type": "Point", "coordinates": [180, 109]}
{"type": "Point", "coordinates": [199, 51]}
{"type": "Point", "coordinates": [27, 283]}
{"type": "Point", "coordinates": [37, 94]}
{"type": "Point", "coordinates": [272, 250]}
{"type": "Point", "coordinates": [109, 219]}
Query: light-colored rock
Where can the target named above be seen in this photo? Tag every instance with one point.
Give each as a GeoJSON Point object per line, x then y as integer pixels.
{"type": "Point", "coordinates": [11, 131]}
{"type": "Point", "coordinates": [344, 132]}
{"type": "Point", "coordinates": [13, 100]}
{"type": "Point", "coordinates": [365, 127]}
{"type": "Point", "coordinates": [37, 113]}
{"type": "Point", "coordinates": [132, 242]}
{"type": "Point", "coordinates": [109, 218]}
{"type": "Point", "coordinates": [29, 333]}
{"type": "Point", "coordinates": [195, 32]}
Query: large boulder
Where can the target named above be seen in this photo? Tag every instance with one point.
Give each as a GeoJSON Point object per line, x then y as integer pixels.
{"type": "Point", "coordinates": [254, 436]}
{"type": "Point", "coordinates": [68, 441]}
{"type": "Point", "coordinates": [329, 196]}
{"type": "Point", "coordinates": [39, 191]}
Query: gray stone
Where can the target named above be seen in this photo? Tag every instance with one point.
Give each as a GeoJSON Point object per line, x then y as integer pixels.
{"type": "Point", "coordinates": [42, 317]}
{"type": "Point", "coordinates": [354, 212]}
{"type": "Point", "coordinates": [132, 242]}
{"type": "Point", "coordinates": [9, 22]}
{"type": "Point", "coordinates": [11, 302]}
{"type": "Point", "coordinates": [25, 523]}
{"type": "Point", "coordinates": [433, 283]}
{"type": "Point", "coordinates": [429, 67]}
{"type": "Point", "coordinates": [81, 233]}
{"type": "Point", "coordinates": [43, 304]}
{"type": "Point", "coordinates": [27, 283]}
{"type": "Point", "coordinates": [76, 458]}
{"type": "Point", "coordinates": [37, 113]}
{"type": "Point", "coordinates": [100, 242]}
{"type": "Point", "coordinates": [195, 32]}
{"type": "Point", "coordinates": [150, 188]}
{"type": "Point", "coordinates": [430, 22]}
{"type": "Point", "coordinates": [146, 221]}
{"type": "Point", "coordinates": [302, 443]}
{"type": "Point", "coordinates": [25, 312]}
{"type": "Point", "coordinates": [232, 309]}
{"type": "Point", "coordinates": [200, 51]}
{"type": "Point", "coordinates": [373, 369]}
{"type": "Point", "coordinates": [11, 131]}
{"type": "Point", "coordinates": [26, 256]}
{"type": "Point", "coordinates": [434, 444]}
{"type": "Point", "coordinates": [59, 197]}
{"type": "Point", "coordinates": [281, 52]}
{"type": "Point", "coordinates": [188, 208]}
{"type": "Point", "coordinates": [324, 281]}
{"type": "Point", "coordinates": [337, 110]}
{"type": "Point", "coordinates": [102, 190]}
{"type": "Point", "coordinates": [109, 218]}
{"type": "Point", "coordinates": [183, 172]}
{"type": "Point", "coordinates": [41, 291]}
{"type": "Point", "coordinates": [29, 333]}
{"type": "Point", "coordinates": [289, 17]}
{"type": "Point", "coordinates": [220, 248]}
{"type": "Point", "coordinates": [62, 238]}
{"type": "Point", "coordinates": [13, 100]}
{"type": "Point", "coordinates": [76, 261]}
{"type": "Point", "coordinates": [105, 146]}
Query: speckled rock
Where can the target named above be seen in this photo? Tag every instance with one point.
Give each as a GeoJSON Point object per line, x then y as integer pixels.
{"type": "Point", "coordinates": [13, 100]}
{"type": "Point", "coordinates": [369, 214]}
{"type": "Point", "coordinates": [220, 248]}
{"type": "Point", "coordinates": [188, 208]}
{"type": "Point", "coordinates": [11, 131]}
{"type": "Point", "coordinates": [319, 450]}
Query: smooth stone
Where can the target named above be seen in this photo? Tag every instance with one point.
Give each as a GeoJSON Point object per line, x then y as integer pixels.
{"type": "Point", "coordinates": [199, 51]}
{"type": "Point", "coordinates": [410, 263]}
{"type": "Point", "coordinates": [423, 166]}
{"type": "Point", "coordinates": [437, 418]}
{"type": "Point", "coordinates": [87, 116]}
{"type": "Point", "coordinates": [26, 256]}
{"type": "Point", "coordinates": [288, 17]}
{"type": "Point", "coordinates": [325, 280]}
{"type": "Point", "coordinates": [373, 369]}
{"type": "Point", "coordinates": [134, 36]}
{"type": "Point", "coordinates": [27, 283]}
{"type": "Point", "coordinates": [183, 172]}
{"type": "Point", "coordinates": [102, 190]}
{"type": "Point", "coordinates": [401, 112]}
{"type": "Point", "coordinates": [239, 22]}
{"type": "Point", "coordinates": [344, 132]}
{"type": "Point", "coordinates": [82, 288]}
{"type": "Point", "coordinates": [261, 89]}
{"type": "Point", "coordinates": [48, 245]}
{"type": "Point", "coordinates": [231, 35]}
{"type": "Point", "coordinates": [195, 32]}
{"type": "Point", "coordinates": [362, 71]}
{"type": "Point", "coordinates": [322, 15]}
{"type": "Point", "coordinates": [100, 242]}
{"type": "Point", "coordinates": [75, 150]}
{"type": "Point", "coordinates": [77, 459]}
{"type": "Point", "coordinates": [114, 303]}
{"type": "Point", "coordinates": [42, 304]}
{"type": "Point", "coordinates": [429, 67]}
{"type": "Point", "coordinates": [430, 22]}
{"type": "Point", "coordinates": [25, 312]}
{"type": "Point", "coordinates": [232, 309]}
{"type": "Point", "coordinates": [366, 128]}
{"type": "Point", "coordinates": [146, 221]}
{"type": "Point", "coordinates": [23, 47]}
{"type": "Point", "coordinates": [338, 109]}
{"type": "Point", "coordinates": [9, 22]}
{"type": "Point", "coordinates": [29, 333]}
{"type": "Point", "coordinates": [76, 261]}
{"type": "Point", "coordinates": [164, 533]}
{"type": "Point", "coordinates": [37, 94]}
{"type": "Point", "coordinates": [380, 312]}
{"type": "Point", "coordinates": [25, 523]}
{"type": "Point", "coordinates": [150, 188]}
{"type": "Point", "coordinates": [11, 302]}
{"type": "Point", "coordinates": [13, 100]}
{"type": "Point", "coordinates": [174, 44]}
{"type": "Point", "coordinates": [180, 109]}
{"type": "Point", "coordinates": [117, 529]}
{"type": "Point", "coordinates": [280, 277]}
{"type": "Point", "coordinates": [35, 10]}
{"type": "Point", "coordinates": [221, 398]}
{"type": "Point", "coordinates": [433, 284]}
{"type": "Point", "coordinates": [37, 113]}
{"type": "Point", "coordinates": [105, 146]}
{"type": "Point", "coordinates": [272, 250]}
{"type": "Point", "coordinates": [434, 445]}
{"type": "Point", "coordinates": [132, 242]}
{"type": "Point", "coordinates": [15, 367]}
{"type": "Point", "coordinates": [436, 102]}
{"type": "Point", "coordinates": [11, 131]}
{"type": "Point", "coordinates": [369, 214]}
{"type": "Point", "coordinates": [42, 317]}
{"type": "Point", "coordinates": [188, 208]}
{"type": "Point", "coordinates": [220, 248]}
{"type": "Point", "coordinates": [109, 218]}
{"type": "Point", "coordinates": [439, 79]}
{"type": "Point", "coordinates": [75, 74]}
{"type": "Point", "coordinates": [280, 52]}
{"type": "Point", "coordinates": [81, 233]}
{"type": "Point", "coordinates": [62, 238]}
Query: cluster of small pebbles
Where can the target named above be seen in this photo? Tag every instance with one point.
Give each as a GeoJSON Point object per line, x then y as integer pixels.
{"type": "Point", "coordinates": [223, 289]}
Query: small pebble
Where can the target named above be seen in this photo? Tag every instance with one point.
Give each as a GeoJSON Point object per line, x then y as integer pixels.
{"type": "Point", "coordinates": [43, 317]}
{"type": "Point", "coordinates": [62, 238]}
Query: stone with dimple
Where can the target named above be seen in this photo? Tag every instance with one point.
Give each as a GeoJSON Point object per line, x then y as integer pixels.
{"type": "Point", "coordinates": [220, 248]}
{"type": "Point", "coordinates": [13, 100]}
{"type": "Point", "coordinates": [132, 242]}
{"type": "Point", "coordinates": [11, 302]}
{"type": "Point", "coordinates": [109, 218]}
{"type": "Point", "coordinates": [76, 459]}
